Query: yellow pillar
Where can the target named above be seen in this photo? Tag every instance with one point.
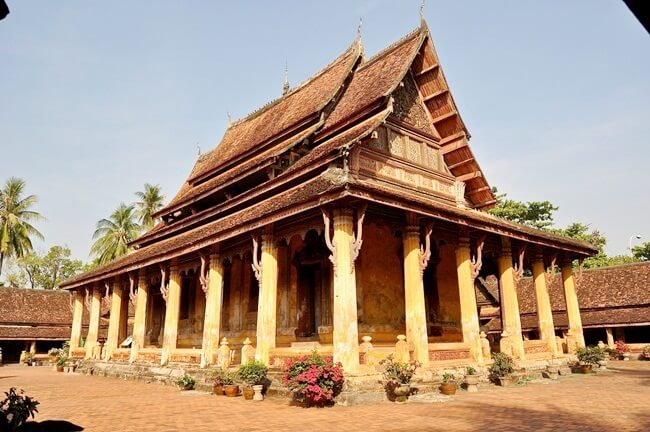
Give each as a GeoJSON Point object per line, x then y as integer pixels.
{"type": "Point", "coordinates": [267, 301]}
{"type": "Point", "coordinates": [544, 311]}
{"type": "Point", "coordinates": [77, 316]}
{"type": "Point", "coordinates": [511, 321]}
{"type": "Point", "coordinates": [140, 318]}
{"type": "Point", "coordinates": [114, 323]}
{"type": "Point", "coordinates": [345, 327]}
{"type": "Point", "coordinates": [93, 324]}
{"type": "Point", "coordinates": [572, 307]}
{"type": "Point", "coordinates": [172, 312]}
{"type": "Point", "coordinates": [610, 337]}
{"type": "Point", "coordinates": [416, 318]}
{"type": "Point", "coordinates": [213, 303]}
{"type": "Point", "coordinates": [467, 294]}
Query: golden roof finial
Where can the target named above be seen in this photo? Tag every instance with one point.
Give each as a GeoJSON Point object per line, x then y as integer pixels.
{"type": "Point", "coordinates": [359, 28]}
{"type": "Point", "coordinates": [229, 118]}
{"type": "Point", "coordinates": [285, 88]}
{"type": "Point", "coordinates": [422, 10]}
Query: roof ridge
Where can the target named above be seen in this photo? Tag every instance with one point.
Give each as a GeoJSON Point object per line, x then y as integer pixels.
{"type": "Point", "coordinates": [391, 47]}
{"type": "Point", "coordinates": [356, 45]}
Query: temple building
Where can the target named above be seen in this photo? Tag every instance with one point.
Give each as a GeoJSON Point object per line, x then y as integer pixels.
{"type": "Point", "coordinates": [346, 213]}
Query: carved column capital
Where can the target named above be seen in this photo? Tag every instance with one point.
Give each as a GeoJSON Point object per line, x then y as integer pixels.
{"type": "Point", "coordinates": [506, 248]}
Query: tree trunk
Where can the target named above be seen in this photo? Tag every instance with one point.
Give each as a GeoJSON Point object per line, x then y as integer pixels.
{"type": "Point", "coordinates": [2, 258]}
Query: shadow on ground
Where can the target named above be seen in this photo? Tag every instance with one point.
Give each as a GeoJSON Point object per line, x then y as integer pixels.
{"type": "Point", "coordinates": [50, 426]}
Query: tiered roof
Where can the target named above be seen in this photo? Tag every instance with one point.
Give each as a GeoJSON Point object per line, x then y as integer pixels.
{"type": "Point", "coordinates": [280, 154]}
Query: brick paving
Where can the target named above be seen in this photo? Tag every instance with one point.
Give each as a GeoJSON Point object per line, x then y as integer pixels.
{"type": "Point", "coordinates": [616, 401]}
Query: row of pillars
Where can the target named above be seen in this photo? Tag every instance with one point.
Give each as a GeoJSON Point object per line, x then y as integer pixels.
{"type": "Point", "coordinates": [344, 247]}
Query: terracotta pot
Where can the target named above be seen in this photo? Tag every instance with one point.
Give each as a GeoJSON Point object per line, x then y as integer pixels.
{"type": "Point", "coordinates": [218, 389]}
{"type": "Point", "coordinates": [248, 392]}
{"type": "Point", "coordinates": [402, 393]}
{"type": "Point", "coordinates": [231, 390]}
{"type": "Point", "coordinates": [448, 388]}
{"type": "Point", "coordinates": [258, 392]}
{"type": "Point", "coordinates": [586, 369]}
{"type": "Point", "coordinates": [504, 381]}
{"type": "Point", "coordinates": [59, 368]}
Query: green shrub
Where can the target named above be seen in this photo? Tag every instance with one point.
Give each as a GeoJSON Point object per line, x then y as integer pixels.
{"type": "Point", "coordinates": [15, 409]}
{"type": "Point", "coordinates": [590, 355]}
{"type": "Point", "coordinates": [186, 382]}
{"type": "Point", "coordinates": [470, 370]}
{"type": "Point", "coordinates": [253, 373]}
{"type": "Point", "coordinates": [501, 366]}
{"type": "Point", "coordinates": [398, 372]}
{"type": "Point", "coordinates": [448, 377]}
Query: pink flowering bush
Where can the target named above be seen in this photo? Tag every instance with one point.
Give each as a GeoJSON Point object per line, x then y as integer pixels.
{"type": "Point", "coordinates": [314, 380]}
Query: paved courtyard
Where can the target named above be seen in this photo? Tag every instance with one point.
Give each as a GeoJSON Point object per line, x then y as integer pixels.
{"type": "Point", "coordinates": [616, 401]}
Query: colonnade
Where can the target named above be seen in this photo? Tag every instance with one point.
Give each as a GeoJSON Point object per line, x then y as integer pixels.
{"type": "Point", "coordinates": [344, 247]}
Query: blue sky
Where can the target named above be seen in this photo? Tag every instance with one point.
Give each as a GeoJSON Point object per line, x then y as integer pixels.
{"type": "Point", "coordinates": [97, 98]}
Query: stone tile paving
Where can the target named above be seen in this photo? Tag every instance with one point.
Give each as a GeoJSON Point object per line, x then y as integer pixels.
{"type": "Point", "coordinates": [616, 401]}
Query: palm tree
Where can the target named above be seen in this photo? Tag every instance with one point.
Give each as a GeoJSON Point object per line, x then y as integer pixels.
{"type": "Point", "coordinates": [150, 201]}
{"type": "Point", "coordinates": [16, 220]}
{"type": "Point", "coordinates": [113, 235]}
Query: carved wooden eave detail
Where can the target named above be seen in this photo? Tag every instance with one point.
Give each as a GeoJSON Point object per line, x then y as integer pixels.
{"type": "Point", "coordinates": [164, 285]}
{"type": "Point", "coordinates": [519, 266]}
{"type": "Point", "coordinates": [357, 239]}
{"type": "Point", "coordinates": [424, 255]}
{"type": "Point", "coordinates": [106, 300]}
{"type": "Point", "coordinates": [71, 301]}
{"type": "Point", "coordinates": [331, 244]}
{"type": "Point", "coordinates": [477, 260]}
{"type": "Point", "coordinates": [203, 275]}
{"type": "Point", "coordinates": [132, 289]}
{"type": "Point", "coordinates": [256, 264]}
{"type": "Point", "coordinates": [550, 272]}
{"type": "Point", "coordinates": [87, 300]}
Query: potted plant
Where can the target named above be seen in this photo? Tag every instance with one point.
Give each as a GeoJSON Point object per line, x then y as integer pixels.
{"type": "Point", "coordinates": [314, 380]}
{"type": "Point", "coordinates": [218, 377]}
{"type": "Point", "coordinates": [622, 350]}
{"type": "Point", "coordinates": [588, 357]}
{"type": "Point", "coordinates": [471, 379]}
{"type": "Point", "coordinates": [397, 378]}
{"type": "Point", "coordinates": [60, 363]}
{"type": "Point", "coordinates": [501, 369]}
{"type": "Point", "coordinates": [29, 358]}
{"type": "Point", "coordinates": [52, 355]}
{"type": "Point", "coordinates": [186, 382]}
{"type": "Point", "coordinates": [448, 386]}
{"type": "Point", "coordinates": [253, 374]}
{"type": "Point", "coordinates": [229, 387]}
{"type": "Point", "coordinates": [645, 354]}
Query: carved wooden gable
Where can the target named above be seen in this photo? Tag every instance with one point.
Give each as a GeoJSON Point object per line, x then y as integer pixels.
{"type": "Point", "coordinates": [409, 108]}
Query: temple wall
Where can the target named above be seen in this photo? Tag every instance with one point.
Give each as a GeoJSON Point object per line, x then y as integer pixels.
{"type": "Point", "coordinates": [380, 283]}
{"type": "Point", "coordinates": [448, 295]}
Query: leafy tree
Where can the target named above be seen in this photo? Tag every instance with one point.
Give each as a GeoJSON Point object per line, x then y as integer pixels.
{"type": "Point", "coordinates": [642, 251]}
{"type": "Point", "coordinates": [150, 201]}
{"type": "Point", "coordinates": [113, 235]}
{"type": "Point", "coordinates": [538, 214]}
{"type": "Point", "coordinates": [44, 271]}
{"type": "Point", "coordinates": [16, 218]}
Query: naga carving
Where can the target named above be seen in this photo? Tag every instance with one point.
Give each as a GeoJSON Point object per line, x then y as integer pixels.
{"type": "Point", "coordinates": [357, 240]}
{"type": "Point", "coordinates": [425, 250]}
{"type": "Point", "coordinates": [132, 290]}
{"type": "Point", "coordinates": [578, 275]}
{"type": "Point", "coordinates": [519, 266]}
{"type": "Point", "coordinates": [331, 244]}
{"type": "Point", "coordinates": [203, 275]}
{"type": "Point", "coordinates": [550, 273]}
{"type": "Point", "coordinates": [106, 300]}
{"type": "Point", "coordinates": [164, 286]}
{"type": "Point", "coordinates": [477, 260]}
{"type": "Point", "coordinates": [87, 300]}
{"type": "Point", "coordinates": [256, 264]}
